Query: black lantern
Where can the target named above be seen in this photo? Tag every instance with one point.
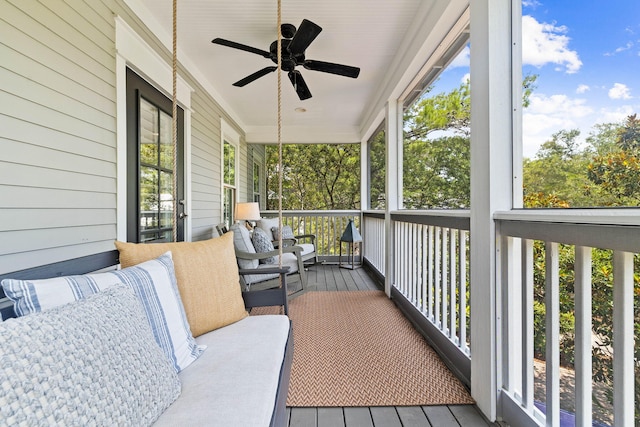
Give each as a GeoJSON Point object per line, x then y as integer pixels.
{"type": "Point", "coordinates": [351, 236]}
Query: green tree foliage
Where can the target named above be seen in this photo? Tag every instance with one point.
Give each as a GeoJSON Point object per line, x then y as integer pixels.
{"type": "Point", "coordinates": [559, 171]}
{"type": "Point", "coordinates": [617, 172]}
{"type": "Point", "coordinates": [436, 156]}
{"type": "Point", "coordinates": [318, 176]}
{"type": "Point", "coordinates": [377, 168]}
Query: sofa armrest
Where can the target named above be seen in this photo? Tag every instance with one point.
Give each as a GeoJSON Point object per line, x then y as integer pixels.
{"type": "Point", "coordinates": [267, 297]}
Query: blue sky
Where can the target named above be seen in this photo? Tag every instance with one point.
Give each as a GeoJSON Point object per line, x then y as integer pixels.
{"type": "Point", "coordinates": [587, 57]}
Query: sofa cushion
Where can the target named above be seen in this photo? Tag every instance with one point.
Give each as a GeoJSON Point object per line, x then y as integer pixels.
{"type": "Point", "coordinates": [153, 282]}
{"type": "Point", "coordinates": [262, 243]}
{"type": "Point", "coordinates": [89, 362]}
{"type": "Point", "coordinates": [235, 382]}
{"type": "Point", "coordinates": [207, 275]}
{"type": "Point", "coordinates": [242, 242]}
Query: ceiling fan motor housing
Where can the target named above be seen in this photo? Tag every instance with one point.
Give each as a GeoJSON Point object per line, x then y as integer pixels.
{"type": "Point", "coordinates": [289, 60]}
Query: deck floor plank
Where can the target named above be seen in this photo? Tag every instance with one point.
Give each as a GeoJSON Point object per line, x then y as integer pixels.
{"type": "Point", "coordinates": [330, 417]}
{"type": "Point", "coordinates": [330, 277]}
{"type": "Point", "coordinates": [385, 416]}
{"type": "Point", "coordinates": [440, 416]}
{"type": "Point", "coordinates": [304, 417]}
{"type": "Point", "coordinates": [412, 416]}
{"type": "Point", "coordinates": [358, 417]}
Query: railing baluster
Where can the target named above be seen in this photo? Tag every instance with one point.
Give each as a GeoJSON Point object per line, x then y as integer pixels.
{"type": "Point", "coordinates": [452, 284]}
{"type": "Point", "coordinates": [462, 272]}
{"type": "Point", "coordinates": [623, 336]}
{"type": "Point", "coordinates": [431, 273]}
{"type": "Point", "coordinates": [425, 270]}
{"type": "Point", "coordinates": [437, 276]}
{"type": "Point", "coordinates": [583, 365]}
{"type": "Point", "coordinates": [527, 323]}
{"type": "Point", "coordinates": [552, 334]}
{"type": "Point", "coordinates": [445, 280]}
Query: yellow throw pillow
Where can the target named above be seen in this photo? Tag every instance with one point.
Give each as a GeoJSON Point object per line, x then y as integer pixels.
{"type": "Point", "coordinates": [207, 276]}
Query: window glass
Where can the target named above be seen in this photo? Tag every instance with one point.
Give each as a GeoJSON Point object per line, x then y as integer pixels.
{"type": "Point", "coordinates": [581, 131]}
{"type": "Point", "coordinates": [229, 178]}
{"type": "Point", "coordinates": [436, 149]}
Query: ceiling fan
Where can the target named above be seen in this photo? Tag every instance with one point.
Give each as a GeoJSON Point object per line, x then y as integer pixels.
{"type": "Point", "coordinates": [294, 44]}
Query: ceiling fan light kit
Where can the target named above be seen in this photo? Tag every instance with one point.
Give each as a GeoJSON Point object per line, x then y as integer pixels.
{"type": "Point", "coordinates": [294, 44]}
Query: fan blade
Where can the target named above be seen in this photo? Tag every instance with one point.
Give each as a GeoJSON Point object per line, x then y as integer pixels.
{"type": "Point", "coordinates": [307, 32]}
{"type": "Point", "coordinates": [240, 46]}
{"type": "Point", "coordinates": [255, 76]}
{"type": "Point", "coordinates": [299, 84]}
{"type": "Point", "coordinates": [328, 67]}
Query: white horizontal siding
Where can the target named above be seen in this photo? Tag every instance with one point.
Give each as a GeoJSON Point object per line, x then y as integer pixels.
{"type": "Point", "coordinates": [58, 139]}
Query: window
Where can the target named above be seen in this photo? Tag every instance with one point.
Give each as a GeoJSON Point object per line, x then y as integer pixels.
{"type": "Point", "coordinates": [229, 181]}
{"type": "Point", "coordinates": [257, 181]}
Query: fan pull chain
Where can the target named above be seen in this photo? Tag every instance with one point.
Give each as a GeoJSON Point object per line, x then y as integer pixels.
{"type": "Point", "coordinates": [174, 113]}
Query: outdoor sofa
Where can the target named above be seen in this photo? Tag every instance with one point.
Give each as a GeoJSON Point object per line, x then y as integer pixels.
{"type": "Point", "coordinates": [97, 361]}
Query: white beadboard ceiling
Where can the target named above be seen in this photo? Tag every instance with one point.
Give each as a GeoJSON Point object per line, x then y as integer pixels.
{"type": "Point", "coordinates": [370, 34]}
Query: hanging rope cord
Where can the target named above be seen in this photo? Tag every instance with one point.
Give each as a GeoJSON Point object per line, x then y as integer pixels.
{"type": "Point", "coordinates": [174, 122]}
{"type": "Point", "coordinates": [280, 173]}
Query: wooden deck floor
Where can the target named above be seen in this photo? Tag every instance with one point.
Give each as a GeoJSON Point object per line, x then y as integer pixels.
{"type": "Point", "coordinates": [331, 278]}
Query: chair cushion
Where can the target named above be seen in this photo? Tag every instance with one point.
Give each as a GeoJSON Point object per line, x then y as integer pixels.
{"type": "Point", "coordinates": [267, 224]}
{"type": "Point", "coordinates": [153, 282]}
{"type": "Point", "coordinates": [307, 248]}
{"type": "Point", "coordinates": [242, 242]}
{"type": "Point", "coordinates": [89, 362]}
{"type": "Point", "coordinates": [207, 275]}
{"type": "Point", "coordinates": [235, 382]}
{"type": "Point", "coordinates": [288, 259]}
{"type": "Point", "coordinates": [262, 243]}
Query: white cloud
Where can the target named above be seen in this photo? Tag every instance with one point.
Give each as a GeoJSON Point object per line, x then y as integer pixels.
{"type": "Point", "coordinates": [628, 46]}
{"type": "Point", "coordinates": [462, 60]}
{"type": "Point", "coordinates": [544, 43]}
{"type": "Point", "coordinates": [549, 114]}
{"type": "Point", "coordinates": [616, 115]}
{"type": "Point", "coordinates": [531, 3]}
{"type": "Point", "coordinates": [465, 78]}
{"type": "Point", "coordinates": [619, 91]}
{"type": "Point", "coordinates": [582, 89]}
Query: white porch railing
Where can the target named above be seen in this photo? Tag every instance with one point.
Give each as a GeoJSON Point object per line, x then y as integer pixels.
{"type": "Point", "coordinates": [327, 226]}
{"type": "Point", "coordinates": [585, 231]}
{"type": "Point", "coordinates": [431, 272]}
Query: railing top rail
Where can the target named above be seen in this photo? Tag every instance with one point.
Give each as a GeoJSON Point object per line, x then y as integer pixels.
{"type": "Point", "coordinates": [597, 216]}
{"type": "Point", "coordinates": [458, 219]}
{"type": "Point", "coordinates": [314, 212]}
{"type": "Point", "coordinates": [602, 236]}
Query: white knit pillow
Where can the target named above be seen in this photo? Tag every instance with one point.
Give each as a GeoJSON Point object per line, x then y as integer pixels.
{"type": "Point", "coordinates": [89, 362]}
{"type": "Point", "coordinates": [153, 282]}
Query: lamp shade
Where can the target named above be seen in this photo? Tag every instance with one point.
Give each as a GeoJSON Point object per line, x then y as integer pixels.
{"type": "Point", "coordinates": [351, 233]}
{"type": "Point", "coordinates": [247, 211]}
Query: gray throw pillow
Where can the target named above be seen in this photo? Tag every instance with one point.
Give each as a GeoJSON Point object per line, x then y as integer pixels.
{"type": "Point", "coordinates": [89, 362]}
{"type": "Point", "coordinates": [262, 243]}
{"type": "Point", "coordinates": [287, 233]}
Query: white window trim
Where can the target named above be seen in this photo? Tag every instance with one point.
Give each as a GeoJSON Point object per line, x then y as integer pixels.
{"type": "Point", "coordinates": [133, 52]}
{"type": "Point", "coordinates": [229, 134]}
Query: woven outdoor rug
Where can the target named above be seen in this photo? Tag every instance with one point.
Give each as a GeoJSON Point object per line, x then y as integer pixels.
{"type": "Point", "coordinates": [355, 348]}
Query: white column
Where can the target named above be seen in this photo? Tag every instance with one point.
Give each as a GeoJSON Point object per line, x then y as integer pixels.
{"type": "Point", "coordinates": [491, 185]}
{"type": "Point", "coordinates": [393, 184]}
